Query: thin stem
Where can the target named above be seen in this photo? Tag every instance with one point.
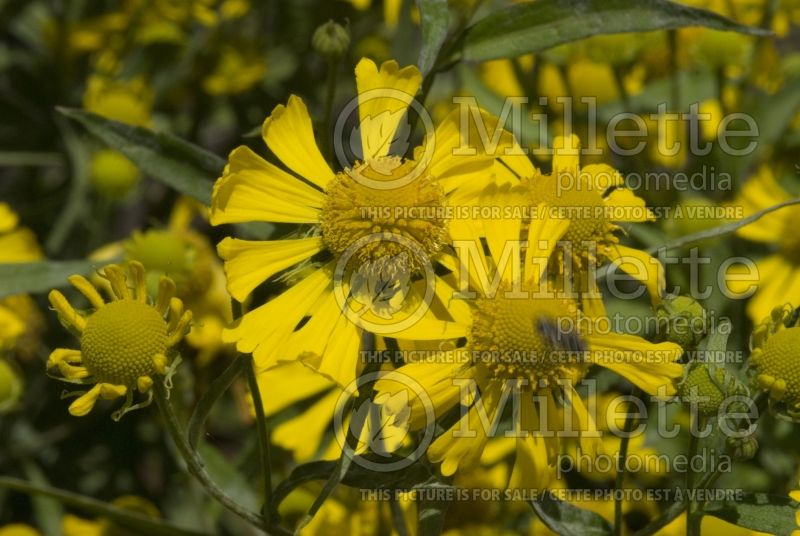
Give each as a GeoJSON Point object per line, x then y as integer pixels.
{"type": "Point", "coordinates": [263, 434]}
{"type": "Point", "coordinates": [330, 96]}
{"type": "Point", "coordinates": [695, 515]}
{"type": "Point", "coordinates": [210, 398]}
{"type": "Point", "coordinates": [193, 462]}
{"type": "Point", "coordinates": [630, 422]}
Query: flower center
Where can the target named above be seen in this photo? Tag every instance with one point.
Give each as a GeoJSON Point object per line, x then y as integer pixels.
{"type": "Point", "coordinates": [781, 360]}
{"type": "Point", "coordinates": [355, 208]}
{"type": "Point", "coordinates": [581, 204]}
{"type": "Point", "coordinates": [527, 338]}
{"type": "Point", "coordinates": [789, 240]}
{"type": "Point", "coordinates": [121, 339]}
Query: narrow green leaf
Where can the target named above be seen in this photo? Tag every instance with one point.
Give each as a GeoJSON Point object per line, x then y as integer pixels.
{"type": "Point", "coordinates": [434, 20]}
{"type": "Point", "coordinates": [774, 514]}
{"type": "Point", "coordinates": [567, 519]}
{"type": "Point", "coordinates": [177, 163]}
{"type": "Point", "coordinates": [536, 26]}
{"type": "Point", "coordinates": [32, 277]}
{"type": "Point", "coordinates": [124, 518]}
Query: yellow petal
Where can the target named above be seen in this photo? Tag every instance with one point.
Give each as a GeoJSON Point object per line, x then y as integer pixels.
{"type": "Point", "coordinates": [84, 403]}
{"type": "Point", "coordinates": [623, 205]}
{"type": "Point", "coordinates": [383, 96]}
{"type": "Point", "coordinates": [289, 134]}
{"type": "Point", "coordinates": [252, 189]}
{"type": "Point", "coordinates": [250, 263]}
{"type": "Point", "coordinates": [642, 267]}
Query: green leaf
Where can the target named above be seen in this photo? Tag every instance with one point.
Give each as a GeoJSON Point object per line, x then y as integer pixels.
{"type": "Point", "coordinates": [33, 277]}
{"type": "Point", "coordinates": [567, 519]}
{"type": "Point", "coordinates": [774, 514]}
{"type": "Point", "coordinates": [133, 521]}
{"type": "Point", "coordinates": [177, 163]}
{"type": "Point", "coordinates": [536, 26]}
{"type": "Point", "coordinates": [434, 20]}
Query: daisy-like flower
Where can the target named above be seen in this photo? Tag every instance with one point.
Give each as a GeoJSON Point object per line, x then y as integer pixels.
{"type": "Point", "coordinates": [779, 273]}
{"type": "Point", "coordinates": [523, 337]}
{"type": "Point", "coordinates": [595, 201]}
{"type": "Point", "coordinates": [383, 218]}
{"type": "Point", "coordinates": [124, 344]}
{"type": "Point", "coordinates": [775, 359]}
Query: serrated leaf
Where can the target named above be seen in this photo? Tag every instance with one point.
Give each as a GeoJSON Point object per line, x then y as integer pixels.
{"type": "Point", "coordinates": [774, 514]}
{"type": "Point", "coordinates": [189, 169]}
{"type": "Point", "coordinates": [33, 277]}
{"type": "Point", "coordinates": [567, 519]}
{"type": "Point", "coordinates": [537, 26]}
{"type": "Point", "coordinates": [434, 20]}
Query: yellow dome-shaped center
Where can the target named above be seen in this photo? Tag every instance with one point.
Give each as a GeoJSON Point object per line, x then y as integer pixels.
{"type": "Point", "coordinates": [534, 339]}
{"type": "Point", "coordinates": [573, 199]}
{"type": "Point", "coordinates": [781, 360]}
{"type": "Point", "coordinates": [121, 339]}
{"type": "Point", "coordinates": [376, 198]}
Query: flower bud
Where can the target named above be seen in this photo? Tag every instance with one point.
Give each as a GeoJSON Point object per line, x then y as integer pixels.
{"type": "Point", "coordinates": [682, 320]}
{"type": "Point", "coordinates": [742, 448]}
{"type": "Point", "coordinates": [331, 39]}
{"type": "Point", "coordinates": [112, 174]}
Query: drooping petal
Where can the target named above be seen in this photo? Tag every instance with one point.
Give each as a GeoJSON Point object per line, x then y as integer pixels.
{"type": "Point", "coordinates": [248, 263]}
{"type": "Point", "coordinates": [289, 134]}
{"type": "Point", "coordinates": [642, 267]}
{"type": "Point", "coordinates": [252, 189]}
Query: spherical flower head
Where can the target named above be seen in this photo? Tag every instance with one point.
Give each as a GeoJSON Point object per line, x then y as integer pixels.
{"type": "Point", "coordinates": [112, 175]}
{"type": "Point", "coordinates": [706, 387]}
{"type": "Point", "coordinates": [125, 343]}
{"type": "Point", "coordinates": [682, 320]}
{"type": "Point", "coordinates": [775, 360]}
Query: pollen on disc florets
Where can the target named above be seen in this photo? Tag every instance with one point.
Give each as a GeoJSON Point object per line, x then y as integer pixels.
{"type": "Point", "coordinates": [789, 239]}
{"type": "Point", "coordinates": [575, 200]}
{"type": "Point", "coordinates": [120, 340]}
{"type": "Point", "coordinates": [533, 339]}
{"type": "Point", "coordinates": [356, 206]}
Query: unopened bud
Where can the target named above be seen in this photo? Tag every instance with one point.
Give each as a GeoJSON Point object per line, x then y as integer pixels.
{"type": "Point", "coordinates": [331, 39]}
{"type": "Point", "coordinates": [682, 320]}
{"type": "Point", "coordinates": [742, 448]}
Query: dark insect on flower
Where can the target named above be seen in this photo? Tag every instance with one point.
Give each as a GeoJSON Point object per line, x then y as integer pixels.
{"type": "Point", "coordinates": [568, 342]}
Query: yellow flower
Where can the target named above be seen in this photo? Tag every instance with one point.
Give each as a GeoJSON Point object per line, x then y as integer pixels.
{"type": "Point", "coordinates": [20, 319]}
{"type": "Point", "coordinates": [76, 526]}
{"type": "Point", "coordinates": [778, 273]}
{"type": "Point", "coordinates": [236, 71]}
{"type": "Point", "coordinates": [595, 200]}
{"type": "Point", "coordinates": [391, 10]}
{"type": "Point", "coordinates": [18, 529]}
{"type": "Point", "coordinates": [112, 174]}
{"type": "Point", "coordinates": [509, 343]}
{"type": "Point", "coordinates": [184, 255]}
{"type": "Point", "coordinates": [342, 209]}
{"type": "Point", "coordinates": [127, 101]}
{"type": "Point", "coordinates": [124, 343]}
{"type": "Point", "coordinates": [775, 359]}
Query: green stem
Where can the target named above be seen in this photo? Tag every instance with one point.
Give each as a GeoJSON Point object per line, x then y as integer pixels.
{"type": "Point", "coordinates": [263, 434]}
{"type": "Point", "coordinates": [330, 96]}
{"type": "Point", "coordinates": [193, 461]}
{"type": "Point", "coordinates": [619, 483]}
{"type": "Point", "coordinates": [695, 515]}
{"type": "Point", "coordinates": [210, 398]}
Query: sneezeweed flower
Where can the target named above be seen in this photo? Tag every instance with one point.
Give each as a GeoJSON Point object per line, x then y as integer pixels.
{"type": "Point", "coordinates": [20, 320]}
{"type": "Point", "coordinates": [594, 199]}
{"type": "Point", "coordinates": [237, 70]}
{"type": "Point", "coordinates": [112, 174]}
{"type": "Point", "coordinates": [125, 344]}
{"type": "Point", "coordinates": [775, 360]}
{"type": "Point", "coordinates": [528, 338]}
{"type": "Point", "coordinates": [72, 525]}
{"type": "Point", "coordinates": [779, 273]}
{"type": "Point", "coordinates": [18, 529]}
{"type": "Point", "coordinates": [356, 206]}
